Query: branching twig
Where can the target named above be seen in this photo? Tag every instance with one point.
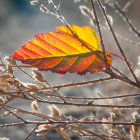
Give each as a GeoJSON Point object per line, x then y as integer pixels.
{"type": "Point", "coordinates": [100, 34]}
{"type": "Point", "coordinates": [32, 131]}
{"type": "Point", "coordinates": [70, 122]}
{"type": "Point", "coordinates": [133, 28]}
{"type": "Point", "coordinates": [116, 40]}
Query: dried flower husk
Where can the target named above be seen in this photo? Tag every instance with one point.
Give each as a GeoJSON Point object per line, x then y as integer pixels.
{"type": "Point", "coordinates": [35, 106]}
{"type": "Point", "coordinates": [38, 76]}
{"type": "Point", "coordinates": [32, 86]}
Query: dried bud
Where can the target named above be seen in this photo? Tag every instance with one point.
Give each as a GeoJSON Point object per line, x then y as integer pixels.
{"type": "Point", "coordinates": [19, 111]}
{"type": "Point", "coordinates": [63, 134]}
{"type": "Point", "coordinates": [38, 76]}
{"type": "Point", "coordinates": [87, 12]}
{"type": "Point", "coordinates": [41, 133]}
{"type": "Point", "coordinates": [43, 9]}
{"type": "Point", "coordinates": [110, 19]}
{"type": "Point", "coordinates": [35, 106]}
{"type": "Point", "coordinates": [55, 111]}
{"type": "Point", "coordinates": [32, 86]}
{"type": "Point", "coordinates": [42, 128]}
{"type": "Point", "coordinates": [34, 2]}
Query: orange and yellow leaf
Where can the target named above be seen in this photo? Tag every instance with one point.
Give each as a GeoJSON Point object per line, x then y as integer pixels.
{"type": "Point", "coordinates": [62, 52]}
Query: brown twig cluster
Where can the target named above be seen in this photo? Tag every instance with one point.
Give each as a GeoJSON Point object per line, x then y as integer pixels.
{"type": "Point", "coordinates": [117, 124]}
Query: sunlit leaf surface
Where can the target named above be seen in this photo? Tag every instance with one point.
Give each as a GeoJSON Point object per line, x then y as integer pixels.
{"type": "Point", "coordinates": [62, 51]}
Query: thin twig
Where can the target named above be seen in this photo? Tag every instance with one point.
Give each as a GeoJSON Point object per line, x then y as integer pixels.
{"type": "Point", "coordinates": [113, 75]}
{"type": "Point", "coordinates": [121, 78]}
{"type": "Point", "coordinates": [116, 40]}
{"type": "Point", "coordinates": [103, 98]}
{"type": "Point", "coordinates": [41, 83]}
{"type": "Point", "coordinates": [72, 122]}
{"type": "Point", "coordinates": [133, 28]}
{"type": "Point", "coordinates": [88, 104]}
{"type": "Point", "coordinates": [137, 44]}
{"type": "Point", "coordinates": [119, 72]}
{"type": "Point", "coordinates": [82, 83]}
{"type": "Point", "coordinates": [56, 9]}
{"type": "Point", "coordinates": [35, 97]}
{"type": "Point", "coordinates": [33, 113]}
{"type": "Point", "coordinates": [6, 102]}
{"type": "Point", "coordinates": [100, 34]}
{"type": "Point", "coordinates": [15, 115]}
{"type": "Point", "coordinates": [53, 89]}
{"type": "Point", "coordinates": [32, 131]}
{"type": "Point", "coordinates": [30, 76]}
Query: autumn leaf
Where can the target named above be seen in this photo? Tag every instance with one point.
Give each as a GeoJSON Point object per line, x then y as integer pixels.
{"type": "Point", "coordinates": [71, 49]}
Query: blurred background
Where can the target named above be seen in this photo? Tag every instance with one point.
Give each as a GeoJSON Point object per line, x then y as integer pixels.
{"type": "Point", "coordinates": [19, 22]}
